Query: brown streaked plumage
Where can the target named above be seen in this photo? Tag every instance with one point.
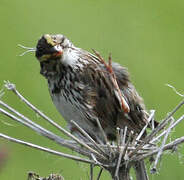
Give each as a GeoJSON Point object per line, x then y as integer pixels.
{"type": "Point", "coordinates": [81, 89]}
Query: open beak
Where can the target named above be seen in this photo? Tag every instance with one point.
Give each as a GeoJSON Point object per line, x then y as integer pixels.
{"type": "Point", "coordinates": [58, 51]}
{"type": "Point", "coordinates": [53, 53]}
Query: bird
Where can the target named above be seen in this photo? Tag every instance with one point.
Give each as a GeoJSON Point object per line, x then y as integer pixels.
{"type": "Point", "coordinates": [82, 89]}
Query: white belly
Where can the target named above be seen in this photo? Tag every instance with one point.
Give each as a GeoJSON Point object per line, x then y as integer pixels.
{"type": "Point", "coordinates": [70, 111]}
{"type": "Point", "coordinates": [67, 110]}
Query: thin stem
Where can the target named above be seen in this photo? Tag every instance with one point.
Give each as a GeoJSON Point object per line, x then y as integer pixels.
{"type": "Point", "coordinates": [124, 136]}
{"type": "Point", "coordinates": [97, 162]}
{"type": "Point", "coordinates": [164, 132]}
{"type": "Point", "coordinates": [89, 138]}
{"type": "Point", "coordinates": [12, 87]}
{"type": "Point", "coordinates": [118, 163]}
{"type": "Point", "coordinates": [102, 131]}
{"type": "Point", "coordinates": [40, 130]}
{"type": "Point", "coordinates": [118, 138]}
{"type": "Point", "coordinates": [156, 130]}
{"type": "Point", "coordinates": [122, 153]}
{"type": "Point", "coordinates": [126, 145]}
{"type": "Point", "coordinates": [148, 121]}
{"type": "Point", "coordinates": [164, 122]}
{"type": "Point", "coordinates": [91, 171]}
{"type": "Point", "coordinates": [104, 135]}
{"type": "Point", "coordinates": [168, 146]}
{"type": "Point", "coordinates": [99, 174]}
{"type": "Point", "coordinates": [161, 147]}
{"type": "Point", "coordinates": [76, 158]}
{"type": "Point", "coordinates": [174, 89]}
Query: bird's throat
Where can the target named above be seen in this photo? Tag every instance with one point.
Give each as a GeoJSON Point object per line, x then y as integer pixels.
{"type": "Point", "coordinates": [50, 68]}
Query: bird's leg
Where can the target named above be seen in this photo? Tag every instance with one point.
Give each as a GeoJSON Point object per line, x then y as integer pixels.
{"type": "Point", "coordinates": [118, 92]}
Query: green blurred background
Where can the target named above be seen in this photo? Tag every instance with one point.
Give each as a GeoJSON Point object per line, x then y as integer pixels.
{"type": "Point", "coordinates": [146, 36]}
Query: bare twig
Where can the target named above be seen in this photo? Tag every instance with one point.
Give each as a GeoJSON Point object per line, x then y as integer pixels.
{"type": "Point", "coordinates": [169, 146]}
{"type": "Point", "coordinates": [104, 135]}
{"type": "Point", "coordinates": [76, 158]}
{"type": "Point", "coordinates": [126, 145]}
{"type": "Point", "coordinates": [118, 163]}
{"type": "Point", "coordinates": [97, 162]}
{"type": "Point", "coordinates": [164, 122]}
{"type": "Point", "coordinates": [118, 138]}
{"type": "Point", "coordinates": [91, 171]}
{"type": "Point", "coordinates": [174, 89]}
{"type": "Point", "coordinates": [164, 132]}
{"type": "Point", "coordinates": [144, 128]}
{"type": "Point", "coordinates": [124, 135]}
{"type": "Point", "coordinates": [122, 152]}
{"type": "Point", "coordinates": [37, 128]}
{"type": "Point", "coordinates": [153, 170]}
{"type": "Point", "coordinates": [99, 174]}
{"type": "Point", "coordinates": [90, 139]}
{"type": "Point", "coordinates": [156, 130]}
{"type": "Point", "coordinates": [12, 87]}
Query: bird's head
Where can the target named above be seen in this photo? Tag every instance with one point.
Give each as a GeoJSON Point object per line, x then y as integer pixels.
{"type": "Point", "coordinates": [50, 52]}
{"type": "Point", "coordinates": [51, 47]}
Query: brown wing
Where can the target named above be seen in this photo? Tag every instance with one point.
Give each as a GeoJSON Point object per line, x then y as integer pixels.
{"type": "Point", "coordinates": [102, 103]}
{"type": "Point", "coordinates": [135, 102]}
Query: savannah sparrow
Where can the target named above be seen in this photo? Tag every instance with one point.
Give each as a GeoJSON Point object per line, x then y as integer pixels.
{"type": "Point", "coordinates": [82, 91]}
